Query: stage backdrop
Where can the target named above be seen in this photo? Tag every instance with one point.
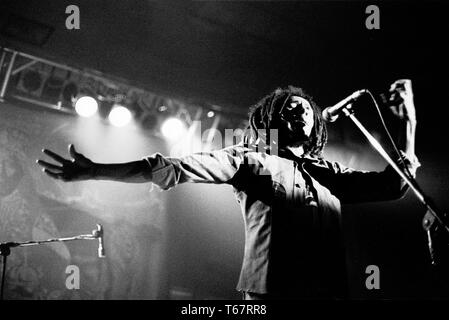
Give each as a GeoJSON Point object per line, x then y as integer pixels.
{"type": "Point", "coordinates": [35, 207]}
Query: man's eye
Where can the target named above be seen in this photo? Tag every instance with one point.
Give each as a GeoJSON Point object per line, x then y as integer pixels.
{"type": "Point", "coordinates": [294, 105]}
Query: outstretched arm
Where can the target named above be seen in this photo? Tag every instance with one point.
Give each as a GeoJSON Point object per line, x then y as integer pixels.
{"type": "Point", "coordinates": [204, 167]}
{"type": "Point", "coordinates": [80, 168]}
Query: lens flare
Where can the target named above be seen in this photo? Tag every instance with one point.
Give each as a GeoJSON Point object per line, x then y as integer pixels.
{"type": "Point", "coordinates": [173, 128]}
{"type": "Point", "coordinates": [86, 106]}
{"type": "Point", "coordinates": [119, 116]}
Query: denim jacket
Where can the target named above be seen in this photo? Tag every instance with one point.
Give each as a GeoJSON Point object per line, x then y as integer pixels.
{"type": "Point", "coordinates": [291, 208]}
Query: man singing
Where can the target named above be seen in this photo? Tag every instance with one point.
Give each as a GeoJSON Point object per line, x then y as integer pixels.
{"type": "Point", "coordinates": [290, 197]}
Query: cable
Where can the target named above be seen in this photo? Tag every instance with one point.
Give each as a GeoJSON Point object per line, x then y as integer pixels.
{"type": "Point", "coordinates": [407, 171]}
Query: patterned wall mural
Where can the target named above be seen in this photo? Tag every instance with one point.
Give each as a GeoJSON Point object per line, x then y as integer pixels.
{"type": "Point", "coordinates": [34, 207]}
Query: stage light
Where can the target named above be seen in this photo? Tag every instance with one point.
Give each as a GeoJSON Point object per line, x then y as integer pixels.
{"type": "Point", "coordinates": [86, 106]}
{"type": "Point", "coordinates": [210, 114]}
{"type": "Point", "coordinates": [119, 116]}
{"type": "Point", "coordinates": [173, 128]}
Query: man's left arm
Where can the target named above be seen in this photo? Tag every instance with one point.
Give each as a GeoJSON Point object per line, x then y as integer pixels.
{"type": "Point", "coordinates": [403, 108]}
{"type": "Point", "coordinates": [405, 111]}
{"type": "Point", "coordinates": [359, 186]}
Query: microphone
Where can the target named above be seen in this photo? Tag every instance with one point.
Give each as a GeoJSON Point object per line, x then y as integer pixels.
{"type": "Point", "coordinates": [330, 114]}
{"type": "Point", "coordinates": [99, 233]}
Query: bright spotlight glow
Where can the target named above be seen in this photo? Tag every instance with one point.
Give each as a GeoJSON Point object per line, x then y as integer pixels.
{"type": "Point", "coordinates": [173, 128]}
{"type": "Point", "coordinates": [210, 114]}
{"type": "Point", "coordinates": [119, 116]}
{"type": "Point", "coordinates": [86, 106]}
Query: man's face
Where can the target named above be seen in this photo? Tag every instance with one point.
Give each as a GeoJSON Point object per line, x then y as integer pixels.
{"type": "Point", "coordinates": [295, 122]}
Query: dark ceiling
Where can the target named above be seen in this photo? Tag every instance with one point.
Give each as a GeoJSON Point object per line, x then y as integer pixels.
{"type": "Point", "coordinates": [231, 53]}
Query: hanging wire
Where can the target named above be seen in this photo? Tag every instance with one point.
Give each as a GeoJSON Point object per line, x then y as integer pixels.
{"type": "Point", "coordinates": [406, 169]}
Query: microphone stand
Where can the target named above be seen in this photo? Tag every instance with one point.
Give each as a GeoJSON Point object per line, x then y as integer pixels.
{"type": "Point", "coordinates": [434, 221]}
{"type": "Point", "coordinates": [5, 248]}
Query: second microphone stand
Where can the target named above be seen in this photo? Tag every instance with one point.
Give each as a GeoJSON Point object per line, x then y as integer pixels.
{"type": "Point", "coordinates": [5, 248]}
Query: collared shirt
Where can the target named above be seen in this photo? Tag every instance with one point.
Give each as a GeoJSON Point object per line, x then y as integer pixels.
{"type": "Point", "coordinates": [291, 208]}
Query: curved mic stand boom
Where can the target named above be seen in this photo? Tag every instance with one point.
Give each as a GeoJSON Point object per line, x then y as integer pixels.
{"type": "Point", "coordinates": [434, 222]}
{"type": "Point", "coordinates": [5, 247]}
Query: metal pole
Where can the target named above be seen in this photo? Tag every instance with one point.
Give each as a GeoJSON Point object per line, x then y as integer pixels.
{"type": "Point", "coordinates": [419, 194]}
{"type": "Point", "coordinates": [2, 59]}
{"type": "Point", "coordinates": [26, 65]}
{"type": "Point", "coordinates": [45, 61]}
{"type": "Point", "coordinates": [8, 74]}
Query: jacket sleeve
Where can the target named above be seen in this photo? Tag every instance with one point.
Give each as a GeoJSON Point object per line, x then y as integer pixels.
{"type": "Point", "coordinates": [203, 167]}
{"type": "Point", "coordinates": [353, 186]}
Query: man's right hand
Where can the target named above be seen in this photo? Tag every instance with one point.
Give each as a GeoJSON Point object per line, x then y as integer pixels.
{"type": "Point", "coordinates": [77, 169]}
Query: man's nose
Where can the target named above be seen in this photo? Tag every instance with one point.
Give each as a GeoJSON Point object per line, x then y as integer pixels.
{"type": "Point", "coordinates": [296, 114]}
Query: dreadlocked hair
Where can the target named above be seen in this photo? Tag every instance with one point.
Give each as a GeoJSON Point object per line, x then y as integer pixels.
{"type": "Point", "coordinates": [262, 113]}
